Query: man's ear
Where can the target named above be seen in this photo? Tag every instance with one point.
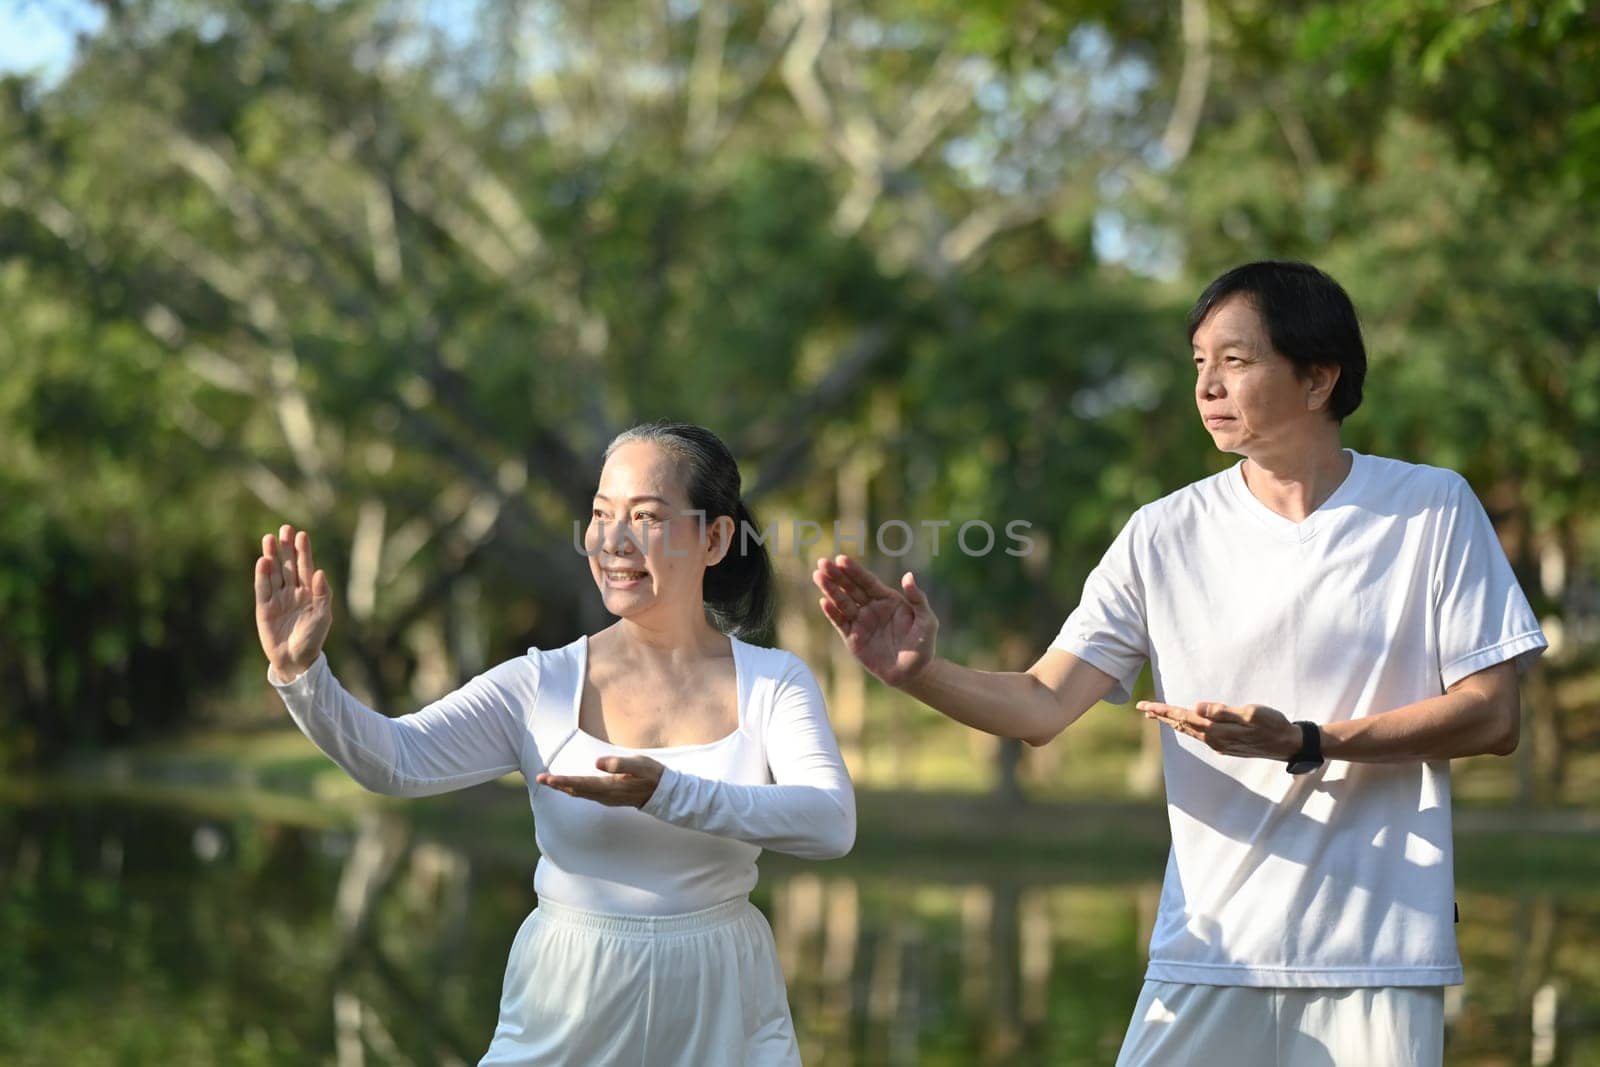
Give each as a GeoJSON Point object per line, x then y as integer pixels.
{"type": "Point", "coordinates": [1321, 379]}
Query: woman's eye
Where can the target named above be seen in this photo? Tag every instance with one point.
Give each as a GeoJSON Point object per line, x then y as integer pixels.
{"type": "Point", "coordinates": [645, 516]}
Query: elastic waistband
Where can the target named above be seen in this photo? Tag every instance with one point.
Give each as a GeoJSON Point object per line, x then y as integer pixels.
{"type": "Point", "coordinates": [643, 925]}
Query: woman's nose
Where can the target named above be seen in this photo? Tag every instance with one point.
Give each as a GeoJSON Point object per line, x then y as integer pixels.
{"type": "Point", "coordinates": [614, 537]}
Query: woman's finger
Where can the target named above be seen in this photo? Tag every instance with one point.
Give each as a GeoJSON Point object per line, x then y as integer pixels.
{"type": "Point", "coordinates": [640, 767]}
{"type": "Point", "coordinates": [284, 551]}
{"type": "Point", "coordinates": [263, 575]}
{"type": "Point", "coordinates": [913, 592]}
{"type": "Point", "coordinates": [302, 553]}
{"type": "Point", "coordinates": [561, 782]}
{"type": "Point", "coordinates": [269, 552]}
{"type": "Point", "coordinates": [600, 782]}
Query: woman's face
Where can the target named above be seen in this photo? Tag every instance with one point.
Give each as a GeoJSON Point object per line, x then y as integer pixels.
{"type": "Point", "coordinates": [647, 548]}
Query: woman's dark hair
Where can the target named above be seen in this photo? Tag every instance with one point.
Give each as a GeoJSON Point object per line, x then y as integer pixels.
{"type": "Point", "coordinates": [740, 591]}
{"type": "Point", "coordinates": [1308, 316]}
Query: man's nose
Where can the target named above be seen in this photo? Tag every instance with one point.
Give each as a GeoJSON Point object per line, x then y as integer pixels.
{"type": "Point", "coordinates": [1208, 384]}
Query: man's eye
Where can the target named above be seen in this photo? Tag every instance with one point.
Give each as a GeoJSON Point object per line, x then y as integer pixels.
{"type": "Point", "coordinates": [645, 516]}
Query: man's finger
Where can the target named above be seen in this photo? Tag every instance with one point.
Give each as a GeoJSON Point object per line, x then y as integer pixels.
{"type": "Point", "coordinates": [830, 572]}
{"type": "Point", "coordinates": [1170, 712]}
{"type": "Point", "coordinates": [1175, 727]}
{"type": "Point", "coordinates": [835, 616]}
{"type": "Point", "coordinates": [1180, 719]}
{"type": "Point", "coordinates": [869, 583]}
{"type": "Point", "coordinates": [828, 584]}
{"type": "Point", "coordinates": [842, 599]}
{"type": "Point", "coordinates": [848, 585]}
{"type": "Point", "coordinates": [913, 592]}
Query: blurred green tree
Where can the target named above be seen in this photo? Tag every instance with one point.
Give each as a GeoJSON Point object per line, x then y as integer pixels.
{"type": "Point", "coordinates": [396, 276]}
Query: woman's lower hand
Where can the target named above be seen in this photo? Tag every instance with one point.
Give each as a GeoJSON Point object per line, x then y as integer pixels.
{"type": "Point", "coordinates": [629, 781]}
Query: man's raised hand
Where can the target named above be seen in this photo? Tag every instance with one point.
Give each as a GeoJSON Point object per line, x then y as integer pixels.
{"type": "Point", "coordinates": [891, 631]}
{"type": "Point", "coordinates": [293, 607]}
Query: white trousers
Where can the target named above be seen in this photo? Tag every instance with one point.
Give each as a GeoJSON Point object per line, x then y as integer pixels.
{"type": "Point", "coordinates": [587, 989]}
{"type": "Point", "coordinates": [1177, 1024]}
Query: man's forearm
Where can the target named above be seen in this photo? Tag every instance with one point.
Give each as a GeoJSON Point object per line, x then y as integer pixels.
{"type": "Point", "coordinates": [1004, 703]}
{"type": "Point", "coordinates": [1465, 722]}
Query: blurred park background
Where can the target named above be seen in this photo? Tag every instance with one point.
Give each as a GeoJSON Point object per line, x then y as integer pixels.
{"type": "Point", "coordinates": [395, 271]}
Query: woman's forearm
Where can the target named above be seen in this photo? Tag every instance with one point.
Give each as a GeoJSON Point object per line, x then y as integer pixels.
{"type": "Point", "coordinates": [811, 821]}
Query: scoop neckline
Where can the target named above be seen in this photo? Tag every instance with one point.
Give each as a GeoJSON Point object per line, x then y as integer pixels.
{"type": "Point", "coordinates": [1307, 528]}
{"type": "Point", "coordinates": [738, 699]}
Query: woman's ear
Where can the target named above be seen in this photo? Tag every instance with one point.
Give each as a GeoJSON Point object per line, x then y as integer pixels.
{"type": "Point", "coordinates": [719, 539]}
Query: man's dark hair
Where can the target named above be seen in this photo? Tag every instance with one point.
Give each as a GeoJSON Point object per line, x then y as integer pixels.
{"type": "Point", "coordinates": [1308, 316]}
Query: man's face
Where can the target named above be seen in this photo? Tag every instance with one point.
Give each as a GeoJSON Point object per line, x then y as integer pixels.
{"type": "Point", "coordinates": [1249, 396]}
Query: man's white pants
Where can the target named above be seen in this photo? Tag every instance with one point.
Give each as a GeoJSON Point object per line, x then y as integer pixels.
{"type": "Point", "coordinates": [1175, 1025]}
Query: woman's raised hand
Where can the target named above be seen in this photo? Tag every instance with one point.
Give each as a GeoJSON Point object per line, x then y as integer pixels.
{"type": "Point", "coordinates": [891, 631]}
{"type": "Point", "coordinates": [293, 607]}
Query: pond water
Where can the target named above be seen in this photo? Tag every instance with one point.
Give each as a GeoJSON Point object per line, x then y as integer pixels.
{"type": "Point", "coordinates": [148, 935]}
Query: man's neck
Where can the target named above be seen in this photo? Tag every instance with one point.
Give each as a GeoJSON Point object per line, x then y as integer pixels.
{"type": "Point", "coordinates": [1294, 482]}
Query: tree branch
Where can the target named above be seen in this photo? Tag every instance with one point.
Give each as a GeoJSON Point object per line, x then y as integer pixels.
{"type": "Point", "coordinates": [1193, 81]}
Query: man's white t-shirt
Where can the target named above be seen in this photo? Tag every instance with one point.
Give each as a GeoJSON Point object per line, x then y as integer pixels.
{"type": "Point", "coordinates": [1393, 590]}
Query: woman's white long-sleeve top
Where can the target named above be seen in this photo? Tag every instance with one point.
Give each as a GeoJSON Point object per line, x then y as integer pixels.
{"type": "Point", "coordinates": [776, 782]}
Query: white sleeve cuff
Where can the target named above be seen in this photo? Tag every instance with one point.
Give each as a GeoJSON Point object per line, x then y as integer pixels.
{"type": "Point", "coordinates": [300, 682]}
{"type": "Point", "coordinates": [660, 801]}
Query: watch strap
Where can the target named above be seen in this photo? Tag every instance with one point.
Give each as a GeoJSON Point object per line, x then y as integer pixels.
{"type": "Point", "coordinates": [1309, 758]}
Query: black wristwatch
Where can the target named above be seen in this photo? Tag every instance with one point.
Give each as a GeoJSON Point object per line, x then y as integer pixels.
{"type": "Point", "coordinates": [1309, 758]}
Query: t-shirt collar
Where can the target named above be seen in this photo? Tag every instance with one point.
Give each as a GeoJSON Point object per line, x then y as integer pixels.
{"type": "Point", "coordinates": [1287, 529]}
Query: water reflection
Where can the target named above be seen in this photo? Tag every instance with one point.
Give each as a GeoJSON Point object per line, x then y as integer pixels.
{"type": "Point", "coordinates": [134, 935]}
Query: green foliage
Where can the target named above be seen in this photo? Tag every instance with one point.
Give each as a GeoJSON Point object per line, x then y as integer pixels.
{"type": "Point", "coordinates": [398, 281]}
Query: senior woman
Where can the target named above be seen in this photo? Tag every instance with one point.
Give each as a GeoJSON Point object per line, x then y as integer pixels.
{"type": "Point", "coordinates": [662, 754]}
